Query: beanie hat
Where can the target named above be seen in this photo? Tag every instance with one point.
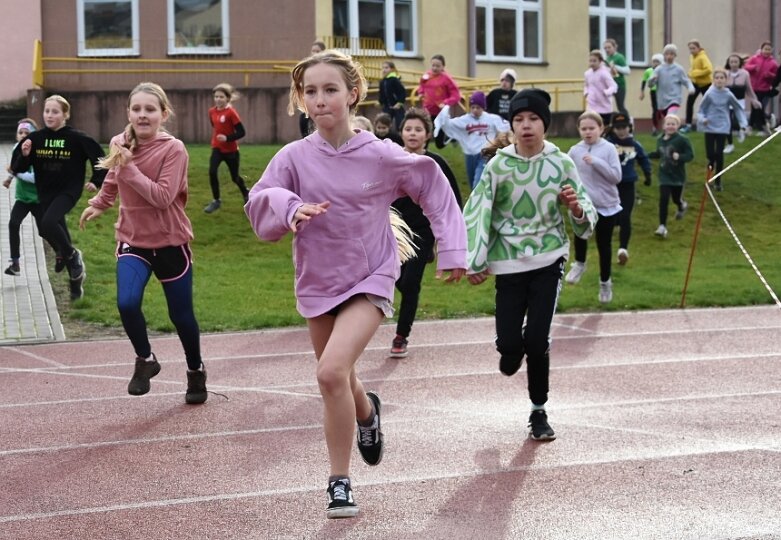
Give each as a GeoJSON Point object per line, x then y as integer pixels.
{"type": "Point", "coordinates": [534, 100]}
{"type": "Point", "coordinates": [658, 57]}
{"type": "Point", "coordinates": [478, 98]}
{"type": "Point", "coordinates": [508, 74]}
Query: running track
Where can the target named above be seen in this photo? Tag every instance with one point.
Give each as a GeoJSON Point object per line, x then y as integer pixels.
{"type": "Point", "coordinates": [668, 424]}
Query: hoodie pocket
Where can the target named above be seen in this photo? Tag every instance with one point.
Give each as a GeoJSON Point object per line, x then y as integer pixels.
{"type": "Point", "coordinates": [328, 266]}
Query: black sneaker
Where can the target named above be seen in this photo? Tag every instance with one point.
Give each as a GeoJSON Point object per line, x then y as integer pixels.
{"type": "Point", "coordinates": [399, 347]}
{"type": "Point", "coordinates": [340, 500]}
{"type": "Point", "coordinates": [13, 269]}
{"type": "Point", "coordinates": [77, 287]}
{"type": "Point", "coordinates": [75, 265]}
{"type": "Point", "coordinates": [509, 365]}
{"type": "Point", "coordinates": [59, 264]}
{"type": "Point", "coordinates": [539, 429]}
{"type": "Point", "coordinates": [370, 438]}
{"type": "Point", "coordinates": [139, 383]}
{"type": "Point", "coordinates": [212, 206]}
{"type": "Point", "coordinates": [196, 387]}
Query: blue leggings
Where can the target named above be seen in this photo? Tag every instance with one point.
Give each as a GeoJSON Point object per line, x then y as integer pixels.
{"type": "Point", "coordinates": [133, 274]}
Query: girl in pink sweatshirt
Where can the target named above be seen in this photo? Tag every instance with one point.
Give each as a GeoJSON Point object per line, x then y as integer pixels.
{"type": "Point", "coordinates": [147, 169]}
{"type": "Point", "coordinates": [599, 87]}
{"type": "Point", "coordinates": [333, 190]}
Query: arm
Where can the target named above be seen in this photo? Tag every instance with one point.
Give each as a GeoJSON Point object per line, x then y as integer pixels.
{"type": "Point", "coordinates": [607, 164]}
{"type": "Point", "coordinates": [610, 85]}
{"type": "Point", "coordinates": [453, 93]}
{"type": "Point", "coordinates": [19, 161]}
{"type": "Point", "coordinates": [94, 152]}
{"type": "Point", "coordinates": [399, 93]}
{"type": "Point", "coordinates": [685, 151]}
{"type": "Point", "coordinates": [701, 67]}
{"type": "Point", "coordinates": [477, 215]}
{"type": "Point", "coordinates": [583, 226]}
{"type": "Point", "coordinates": [238, 133]}
{"type": "Point", "coordinates": [162, 190]}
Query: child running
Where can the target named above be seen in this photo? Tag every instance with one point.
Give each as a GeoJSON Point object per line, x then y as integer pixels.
{"type": "Point", "coordinates": [58, 154]}
{"type": "Point", "coordinates": [147, 170]}
{"type": "Point", "coordinates": [630, 152]}
{"type": "Point", "coordinates": [599, 167]}
{"type": "Point", "coordinates": [333, 190]}
{"type": "Point", "coordinates": [656, 61]}
{"type": "Point", "coordinates": [674, 152]}
{"type": "Point", "coordinates": [416, 129]}
{"type": "Point", "coordinates": [226, 130]}
{"type": "Point", "coordinates": [515, 230]}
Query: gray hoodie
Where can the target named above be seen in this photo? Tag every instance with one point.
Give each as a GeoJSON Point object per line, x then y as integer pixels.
{"type": "Point", "coordinates": [668, 79]}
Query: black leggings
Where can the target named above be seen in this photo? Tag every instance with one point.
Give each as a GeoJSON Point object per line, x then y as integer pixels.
{"type": "Point", "coordinates": [714, 149]}
{"type": "Point", "coordinates": [603, 231]}
{"type": "Point", "coordinates": [620, 98]}
{"type": "Point", "coordinates": [665, 192]}
{"type": "Point", "coordinates": [698, 90]}
{"type": "Point", "coordinates": [532, 296]}
{"type": "Point", "coordinates": [52, 224]}
{"type": "Point", "coordinates": [409, 282]}
{"type": "Point", "coordinates": [626, 191]}
{"type": "Point", "coordinates": [232, 160]}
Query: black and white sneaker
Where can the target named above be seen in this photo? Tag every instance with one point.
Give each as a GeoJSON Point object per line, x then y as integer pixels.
{"type": "Point", "coordinates": [370, 438]}
{"type": "Point", "coordinates": [76, 265]}
{"type": "Point", "coordinates": [539, 429]}
{"type": "Point", "coordinates": [340, 500]}
{"type": "Point", "coordinates": [144, 371]}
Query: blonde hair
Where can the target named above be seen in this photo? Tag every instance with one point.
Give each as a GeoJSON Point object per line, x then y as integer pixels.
{"type": "Point", "coordinates": [228, 90]}
{"type": "Point", "coordinates": [352, 73]}
{"type": "Point", "coordinates": [66, 107]}
{"type": "Point", "coordinates": [591, 115]}
{"type": "Point", "coordinates": [596, 53]}
{"type": "Point", "coordinates": [114, 156]}
{"type": "Point", "coordinates": [361, 122]}
{"type": "Point", "coordinates": [673, 117]}
{"type": "Point", "coordinates": [670, 47]}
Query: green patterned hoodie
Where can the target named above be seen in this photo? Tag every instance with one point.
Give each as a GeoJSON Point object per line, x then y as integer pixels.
{"type": "Point", "coordinates": [513, 217]}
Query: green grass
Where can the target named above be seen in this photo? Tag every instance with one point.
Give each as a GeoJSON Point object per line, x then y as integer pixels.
{"type": "Point", "coordinates": [242, 283]}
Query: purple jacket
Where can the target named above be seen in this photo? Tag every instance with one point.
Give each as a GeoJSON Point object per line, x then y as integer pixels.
{"type": "Point", "coordinates": [351, 248]}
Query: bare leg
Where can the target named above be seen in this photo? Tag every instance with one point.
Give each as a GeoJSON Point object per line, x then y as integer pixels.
{"type": "Point", "coordinates": [339, 342]}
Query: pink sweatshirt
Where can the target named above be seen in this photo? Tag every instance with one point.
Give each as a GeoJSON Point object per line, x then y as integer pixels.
{"type": "Point", "coordinates": [351, 248]}
{"type": "Point", "coordinates": [762, 70]}
{"type": "Point", "coordinates": [438, 91]}
{"type": "Point", "coordinates": [153, 194]}
{"type": "Point", "coordinates": [599, 87]}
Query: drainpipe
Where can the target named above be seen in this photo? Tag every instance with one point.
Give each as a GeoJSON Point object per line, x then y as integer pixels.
{"type": "Point", "coordinates": [668, 21]}
{"type": "Point", "coordinates": [471, 39]}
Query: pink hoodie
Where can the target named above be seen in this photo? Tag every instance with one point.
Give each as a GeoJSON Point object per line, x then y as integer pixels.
{"type": "Point", "coordinates": [153, 194]}
{"type": "Point", "coordinates": [599, 87]}
{"type": "Point", "coordinates": [437, 91]}
{"type": "Point", "coordinates": [351, 248]}
{"type": "Point", "coordinates": [762, 70]}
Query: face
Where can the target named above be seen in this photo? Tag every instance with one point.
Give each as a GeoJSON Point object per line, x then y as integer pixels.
{"type": "Point", "coordinates": [694, 49]}
{"type": "Point", "coordinates": [655, 63]}
{"type": "Point", "coordinates": [414, 135]}
{"type": "Point", "coordinates": [593, 62]}
{"type": "Point", "coordinates": [669, 57]}
{"type": "Point", "coordinates": [327, 98]}
{"type": "Point", "coordinates": [381, 129]}
{"type": "Point", "coordinates": [53, 115]}
{"type": "Point", "coordinates": [221, 99]}
{"type": "Point", "coordinates": [437, 66]}
{"type": "Point", "coordinates": [734, 63]}
{"type": "Point", "coordinates": [622, 132]}
{"type": "Point", "coordinates": [476, 110]}
{"type": "Point", "coordinates": [719, 79]}
{"type": "Point", "coordinates": [145, 115]}
{"type": "Point", "coordinates": [670, 125]}
{"type": "Point", "coordinates": [21, 133]}
{"type": "Point", "coordinates": [609, 48]}
{"type": "Point", "coordinates": [767, 50]}
{"type": "Point", "coordinates": [386, 69]}
{"type": "Point", "coordinates": [589, 130]}
{"type": "Point", "coordinates": [529, 130]}
{"type": "Point", "coordinates": [507, 84]}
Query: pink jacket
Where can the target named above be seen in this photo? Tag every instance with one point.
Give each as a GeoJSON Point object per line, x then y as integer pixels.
{"type": "Point", "coordinates": [351, 248]}
{"type": "Point", "coordinates": [438, 91]}
{"type": "Point", "coordinates": [153, 194]}
{"type": "Point", "coordinates": [762, 70]}
{"type": "Point", "coordinates": [599, 87]}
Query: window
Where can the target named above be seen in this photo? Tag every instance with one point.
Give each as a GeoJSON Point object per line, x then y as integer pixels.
{"type": "Point", "coordinates": [198, 27]}
{"type": "Point", "coordinates": [107, 28]}
{"type": "Point", "coordinates": [388, 25]}
{"type": "Point", "coordinates": [626, 21]}
{"type": "Point", "coordinates": [509, 30]}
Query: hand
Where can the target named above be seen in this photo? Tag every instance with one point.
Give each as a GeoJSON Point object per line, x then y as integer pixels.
{"type": "Point", "coordinates": [675, 156]}
{"type": "Point", "coordinates": [588, 159]}
{"type": "Point", "coordinates": [89, 214]}
{"type": "Point", "coordinates": [480, 277]}
{"type": "Point", "coordinates": [89, 186]}
{"type": "Point", "coordinates": [306, 211]}
{"type": "Point", "coordinates": [7, 182]}
{"type": "Point", "coordinates": [26, 147]}
{"type": "Point", "coordinates": [647, 181]}
{"type": "Point", "coordinates": [455, 274]}
{"type": "Point", "coordinates": [569, 198]}
{"type": "Point", "coordinates": [642, 96]}
{"type": "Point", "coordinates": [704, 121]}
{"type": "Point", "coordinates": [222, 138]}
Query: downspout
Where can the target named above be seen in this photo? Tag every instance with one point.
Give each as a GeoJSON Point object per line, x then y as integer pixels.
{"type": "Point", "coordinates": [471, 39]}
{"type": "Point", "coordinates": [668, 21]}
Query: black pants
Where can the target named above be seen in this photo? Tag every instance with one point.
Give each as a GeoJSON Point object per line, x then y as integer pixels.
{"type": "Point", "coordinates": [525, 304]}
{"type": "Point", "coordinates": [714, 149]}
{"type": "Point", "coordinates": [665, 192]}
{"type": "Point", "coordinates": [409, 281]}
{"type": "Point", "coordinates": [232, 160]}
{"type": "Point", "coordinates": [52, 224]}
{"type": "Point", "coordinates": [620, 98]}
{"type": "Point", "coordinates": [698, 90]}
{"type": "Point", "coordinates": [626, 191]}
{"type": "Point", "coordinates": [656, 119]}
{"type": "Point", "coordinates": [603, 231]}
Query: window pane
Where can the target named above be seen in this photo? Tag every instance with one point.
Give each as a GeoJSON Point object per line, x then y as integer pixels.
{"type": "Point", "coordinates": [638, 4]}
{"type": "Point", "coordinates": [594, 3]}
{"type": "Point", "coordinates": [480, 30]}
{"type": "Point", "coordinates": [402, 16]}
{"type": "Point", "coordinates": [593, 33]}
{"type": "Point", "coordinates": [341, 20]}
{"type": "Point", "coordinates": [108, 25]}
{"type": "Point", "coordinates": [198, 23]}
{"type": "Point", "coordinates": [638, 41]}
{"type": "Point", "coordinates": [616, 29]}
{"type": "Point", "coordinates": [616, 3]}
{"type": "Point", "coordinates": [505, 33]}
{"type": "Point", "coordinates": [530, 34]}
{"type": "Point", "coordinates": [371, 19]}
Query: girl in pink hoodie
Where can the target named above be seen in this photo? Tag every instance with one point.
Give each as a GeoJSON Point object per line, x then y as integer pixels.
{"type": "Point", "coordinates": [147, 169]}
{"type": "Point", "coordinates": [599, 87]}
{"type": "Point", "coordinates": [333, 190]}
{"type": "Point", "coordinates": [762, 67]}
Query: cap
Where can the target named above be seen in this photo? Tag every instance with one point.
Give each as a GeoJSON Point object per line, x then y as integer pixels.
{"type": "Point", "coordinates": [508, 73]}
{"type": "Point", "coordinates": [620, 120]}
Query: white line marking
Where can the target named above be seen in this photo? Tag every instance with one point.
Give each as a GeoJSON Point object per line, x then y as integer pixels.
{"type": "Point", "coordinates": [36, 357]}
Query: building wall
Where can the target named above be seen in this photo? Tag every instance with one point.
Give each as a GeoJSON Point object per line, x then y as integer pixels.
{"type": "Point", "coordinates": [752, 25]}
{"type": "Point", "coordinates": [709, 21]}
{"type": "Point", "coordinates": [19, 28]}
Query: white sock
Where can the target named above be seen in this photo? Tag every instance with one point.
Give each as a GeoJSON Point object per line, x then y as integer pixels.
{"type": "Point", "coordinates": [537, 407]}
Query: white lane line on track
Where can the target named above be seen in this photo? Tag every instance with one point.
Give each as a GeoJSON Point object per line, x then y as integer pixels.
{"type": "Point", "coordinates": [416, 479]}
{"type": "Point", "coordinates": [36, 357]}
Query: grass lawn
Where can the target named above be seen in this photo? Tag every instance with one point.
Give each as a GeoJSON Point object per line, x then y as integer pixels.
{"type": "Point", "coordinates": [242, 283]}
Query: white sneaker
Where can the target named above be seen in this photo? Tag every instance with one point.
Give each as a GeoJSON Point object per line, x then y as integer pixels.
{"type": "Point", "coordinates": [661, 231]}
{"type": "Point", "coordinates": [681, 210]}
{"type": "Point", "coordinates": [729, 148]}
{"type": "Point", "coordinates": [575, 272]}
{"type": "Point", "coordinates": [741, 135]}
{"type": "Point", "coordinates": [623, 256]}
{"type": "Point", "coordinates": [773, 122]}
{"type": "Point", "coordinates": [606, 291]}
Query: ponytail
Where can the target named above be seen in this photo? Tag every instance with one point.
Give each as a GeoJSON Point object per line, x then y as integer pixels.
{"type": "Point", "coordinates": [114, 157]}
{"type": "Point", "coordinates": [404, 236]}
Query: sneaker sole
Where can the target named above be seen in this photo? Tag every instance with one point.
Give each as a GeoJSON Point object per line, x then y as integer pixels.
{"type": "Point", "coordinates": [543, 437]}
{"type": "Point", "coordinates": [341, 512]}
{"type": "Point", "coordinates": [399, 354]}
{"type": "Point", "coordinates": [623, 258]}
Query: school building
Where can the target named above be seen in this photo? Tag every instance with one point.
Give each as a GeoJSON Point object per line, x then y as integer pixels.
{"type": "Point", "coordinates": [94, 51]}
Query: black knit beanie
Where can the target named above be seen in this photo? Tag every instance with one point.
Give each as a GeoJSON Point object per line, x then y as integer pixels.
{"type": "Point", "coordinates": [534, 100]}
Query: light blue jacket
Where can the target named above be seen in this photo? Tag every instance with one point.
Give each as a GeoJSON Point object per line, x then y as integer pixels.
{"type": "Point", "coordinates": [668, 79]}
{"type": "Point", "coordinates": [715, 107]}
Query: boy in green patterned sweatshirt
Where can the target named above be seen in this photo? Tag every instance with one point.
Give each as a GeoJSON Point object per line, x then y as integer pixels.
{"type": "Point", "coordinates": [515, 230]}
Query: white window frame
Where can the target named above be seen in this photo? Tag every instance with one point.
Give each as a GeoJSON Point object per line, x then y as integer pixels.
{"type": "Point", "coordinates": [81, 27]}
{"type": "Point", "coordinates": [624, 42]}
{"type": "Point", "coordinates": [520, 7]}
{"type": "Point", "coordinates": [390, 28]}
{"type": "Point", "coordinates": [202, 49]}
